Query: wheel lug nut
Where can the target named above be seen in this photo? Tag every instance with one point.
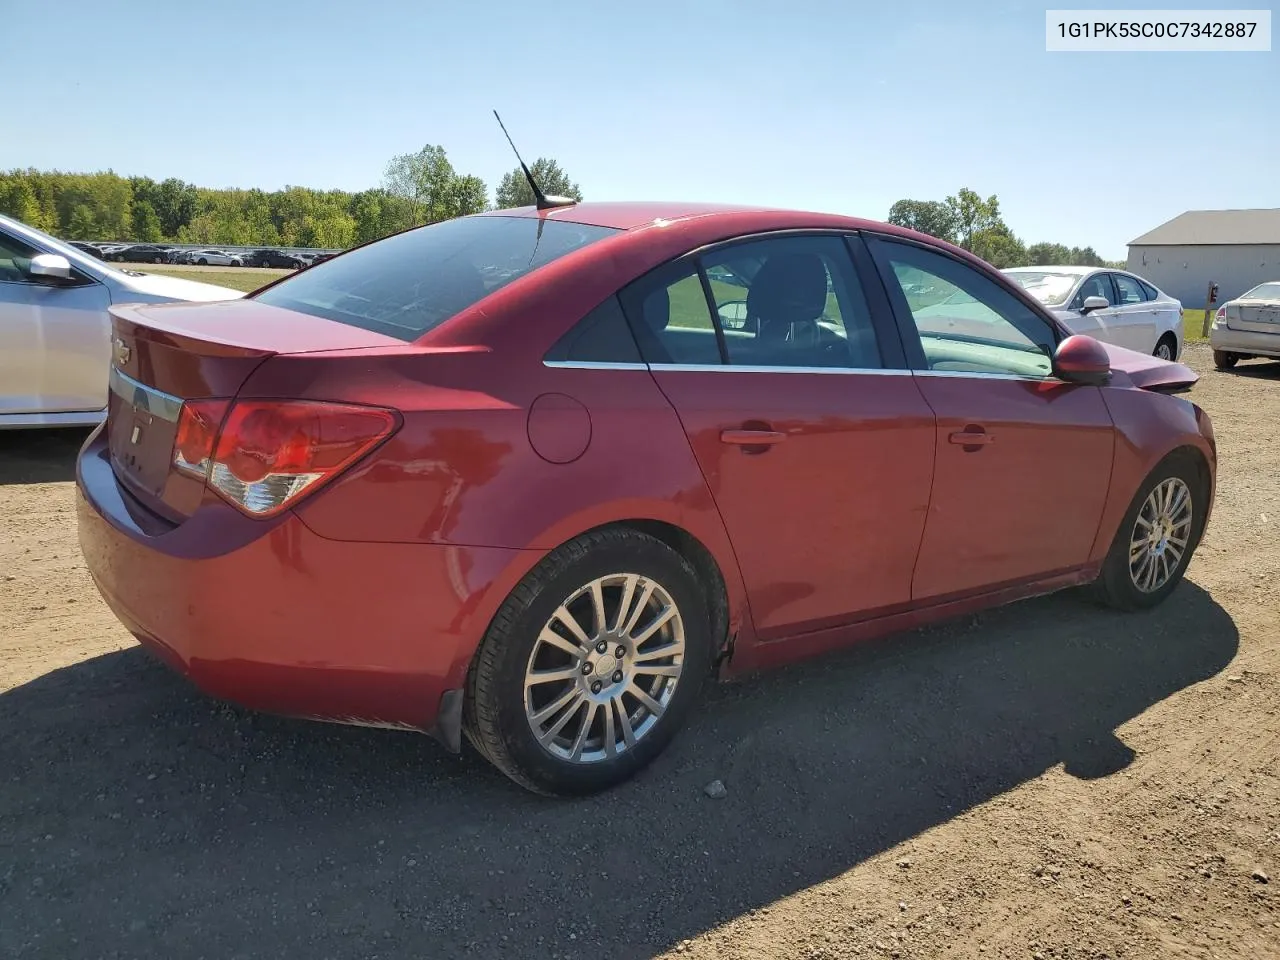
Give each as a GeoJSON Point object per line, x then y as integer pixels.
{"type": "Point", "coordinates": [586, 669]}
{"type": "Point", "coordinates": [617, 676]}
{"type": "Point", "coordinates": [620, 652]}
{"type": "Point", "coordinates": [596, 686]}
{"type": "Point", "coordinates": [601, 647]}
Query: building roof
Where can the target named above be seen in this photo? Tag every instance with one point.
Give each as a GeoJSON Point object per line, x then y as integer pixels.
{"type": "Point", "coordinates": [1214, 228]}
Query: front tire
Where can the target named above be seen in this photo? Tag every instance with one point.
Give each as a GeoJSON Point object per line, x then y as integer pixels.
{"type": "Point", "coordinates": [591, 664]}
{"type": "Point", "coordinates": [1223, 360]}
{"type": "Point", "coordinates": [1159, 533]}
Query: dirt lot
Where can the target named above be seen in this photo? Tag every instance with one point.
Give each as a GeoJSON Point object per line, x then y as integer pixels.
{"type": "Point", "coordinates": [1048, 780]}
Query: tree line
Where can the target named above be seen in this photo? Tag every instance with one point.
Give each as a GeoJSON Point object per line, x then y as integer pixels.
{"type": "Point", "coordinates": [975, 224]}
{"type": "Point", "coordinates": [417, 188]}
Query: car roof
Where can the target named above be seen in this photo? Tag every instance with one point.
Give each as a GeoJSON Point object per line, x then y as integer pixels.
{"type": "Point", "coordinates": [631, 215]}
{"type": "Point", "coordinates": [1055, 268]}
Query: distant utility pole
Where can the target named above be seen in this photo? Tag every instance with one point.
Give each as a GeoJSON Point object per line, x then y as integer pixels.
{"type": "Point", "coordinates": [1210, 299]}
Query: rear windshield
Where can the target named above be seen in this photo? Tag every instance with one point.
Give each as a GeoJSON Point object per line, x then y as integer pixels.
{"type": "Point", "coordinates": [1265, 291]}
{"type": "Point", "coordinates": [409, 283]}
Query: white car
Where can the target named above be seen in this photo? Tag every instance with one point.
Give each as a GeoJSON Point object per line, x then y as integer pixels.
{"type": "Point", "coordinates": [55, 334]}
{"type": "Point", "coordinates": [1110, 305]}
{"type": "Point", "coordinates": [218, 258]}
{"type": "Point", "coordinates": [1247, 327]}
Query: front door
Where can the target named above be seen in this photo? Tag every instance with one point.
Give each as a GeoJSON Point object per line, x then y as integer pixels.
{"type": "Point", "coordinates": [1023, 459]}
{"type": "Point", "coordinates": [815, 441]}
{"type": "Point", "coordinates": [1135, 319]}
{"type": "Point", "coordinates": [54, 338]}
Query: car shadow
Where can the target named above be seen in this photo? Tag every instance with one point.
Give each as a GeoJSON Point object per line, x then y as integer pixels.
{"type": "Point", "coordinates": [143, 818]}
{"type": "Point", "coordinates": [1260, 370]}
{"type": "Point", "coordinates": [40, 456]}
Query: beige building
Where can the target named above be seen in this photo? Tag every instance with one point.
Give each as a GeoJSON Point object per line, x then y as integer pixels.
{"type": "Point", "coordinates": [1236, 249]}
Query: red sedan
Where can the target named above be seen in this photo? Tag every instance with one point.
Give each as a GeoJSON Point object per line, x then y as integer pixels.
{"type": "Point", "coordinates": [534, 475]}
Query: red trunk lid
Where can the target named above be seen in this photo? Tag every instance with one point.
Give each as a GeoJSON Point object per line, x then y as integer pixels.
{"type": "Point", "coordinates": [164, 354]}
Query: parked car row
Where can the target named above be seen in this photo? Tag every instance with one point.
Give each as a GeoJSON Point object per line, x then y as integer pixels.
{"type": "Point", "coordinates": [210, 256]}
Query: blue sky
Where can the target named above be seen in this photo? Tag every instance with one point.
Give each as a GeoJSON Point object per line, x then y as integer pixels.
{"type": "Point", "coordinates": [834, 105]}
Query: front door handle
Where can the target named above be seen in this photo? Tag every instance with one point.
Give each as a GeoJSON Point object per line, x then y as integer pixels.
{"type": "Point", "coordinates": [752, 438]}
{"type": "Point", "coordinates": [972, 438]}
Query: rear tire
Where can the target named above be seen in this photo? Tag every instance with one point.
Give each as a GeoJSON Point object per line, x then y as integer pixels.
{"type": "Point", "coordinates": [1157, 537]}
{"type": "Point", "coordinates": [1167, 348]}
{"type": "Point", "coordinates": [203, 262]}
{"type": "Point", "coordinates": [604, 733]}
{"type": "Point", "coordinates": [1223, 360]}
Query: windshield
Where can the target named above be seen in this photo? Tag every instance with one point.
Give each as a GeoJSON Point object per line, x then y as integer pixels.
{"type": "Point", "coordinates": [1263, 291]}
{"type": "Point", "coordinates": [1049, 287]}
{"type": "Point", "coordinates": [411, 282]}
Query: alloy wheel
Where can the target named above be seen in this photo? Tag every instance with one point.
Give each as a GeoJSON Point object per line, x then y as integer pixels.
{"type": "Point", "coordinates": [604, 668]}
{"type": "Point", "coordinates": [1161, 534]}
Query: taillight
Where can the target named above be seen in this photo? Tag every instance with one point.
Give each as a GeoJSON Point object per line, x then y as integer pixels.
{"type": "Point", "coordinates": [1220, 316]}
{"type": "Point", "coordinates": [269, 452]}
{"type": "Point", "coordinates": [197, 431]}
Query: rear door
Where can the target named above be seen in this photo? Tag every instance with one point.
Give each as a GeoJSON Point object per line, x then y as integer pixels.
{"type": "Point", "coordinates": [1023, 459]}
{"type": "Point", "coordinates": [813, 437]}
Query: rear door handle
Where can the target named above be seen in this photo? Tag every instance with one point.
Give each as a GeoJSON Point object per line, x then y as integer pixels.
{"type": "Point", "coordinates": [752, 438]}
{"type": "Point", "coordinates": [971, 437]}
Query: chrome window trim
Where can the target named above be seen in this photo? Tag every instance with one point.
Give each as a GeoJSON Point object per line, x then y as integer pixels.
{"type": "Point", "coordinates": [592, 365]}
{"type": "Point", "coordinates": [156, 402]}
{"type": "Point", "coordinates": [742, 368]}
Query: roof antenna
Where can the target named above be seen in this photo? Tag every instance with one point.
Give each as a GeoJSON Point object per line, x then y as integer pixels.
{"type": "Point", "coordinates": [542, 201]}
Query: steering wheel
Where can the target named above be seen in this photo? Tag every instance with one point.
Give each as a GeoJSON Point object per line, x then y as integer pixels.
{"type": "Point", "coordinates": [733, 314]}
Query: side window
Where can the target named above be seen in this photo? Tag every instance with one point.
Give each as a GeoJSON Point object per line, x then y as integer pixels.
{"type": "Point", "coordinates": [1129, 289]}
{"type": "Point", "coordinates": [15, 259]}
{"type": "Point", "coordinates": [1151, 292]}
{"type": "Point", "coordinates": [602, 336]}
{"type": "Point", "coordinates": [1098, 285]}
{"type": "Point", "coordinates": [670, 316]}
{"type": "Point", "coordinates": [791, 302]}
{"type": "Point", "coordinates": [966, 321]}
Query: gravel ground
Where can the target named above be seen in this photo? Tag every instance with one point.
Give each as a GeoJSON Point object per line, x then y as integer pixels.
{"type": "Point", "coordinates": [1047, 780]}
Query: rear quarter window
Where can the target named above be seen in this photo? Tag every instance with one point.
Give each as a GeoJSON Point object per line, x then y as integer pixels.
{"type": "Point", "coordinates": [407, 284]}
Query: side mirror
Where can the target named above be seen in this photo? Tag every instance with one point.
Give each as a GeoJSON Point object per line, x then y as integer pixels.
{"type": "Point", "coordinates": [49, 266]}
{"type": "Point", "coordinates": [1094, 303]}
{"type": "Point", "coordinates": [1081, 359]}
{"type": "Point", "coordinates": [733, 314]}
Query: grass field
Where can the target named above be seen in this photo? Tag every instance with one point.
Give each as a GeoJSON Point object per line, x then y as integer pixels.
{"type": "Point", "coordinates": [1192, 320]}
{"type": "Point", "coordinates": [238, 278]}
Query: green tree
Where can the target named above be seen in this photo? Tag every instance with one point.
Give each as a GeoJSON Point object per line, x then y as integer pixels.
{"type": "Point", "coordinates": [146, 225]}
{"type": "Point", "coordinates": [933, 217]}
{"type": "Point", "coordinates": [18, 199]}
{"type": "Point", "coordinates": [999, 247]}
{"type": "Point", "coordinates": [973, 215]}
{"type": "Point", "coordinates": [1048, 254]}
{"type": "Point", "coordinates": [175, 205]}
{"type": "Point", "coordinates": [514, 190]}
{"type": "Point", "coordinates": [434, 190]}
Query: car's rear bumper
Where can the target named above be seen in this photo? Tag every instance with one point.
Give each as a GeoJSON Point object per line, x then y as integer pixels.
{"type": "Point", "coordinates": [1245, 341]}
{"type": "Point", "coordinates": [274, 617]}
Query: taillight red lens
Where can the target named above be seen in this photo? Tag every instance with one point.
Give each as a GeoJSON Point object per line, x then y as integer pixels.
{"type": "Point", "coordinates": [197, 432]}
{"type": "Point", "coordinates": [1221, 314]}
{"type": "Point", "coordinates": [268, 452]}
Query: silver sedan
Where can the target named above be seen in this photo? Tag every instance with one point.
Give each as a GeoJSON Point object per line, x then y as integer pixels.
{"type": "Point", "coordinates": [1248, 326]}
{"type": "Point", "coordinates": [55, 333]}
